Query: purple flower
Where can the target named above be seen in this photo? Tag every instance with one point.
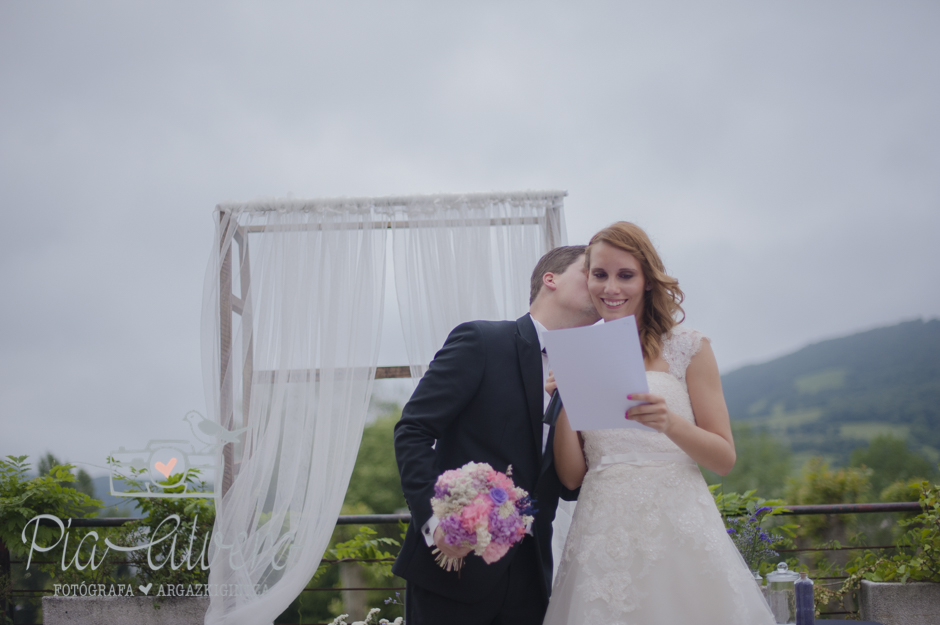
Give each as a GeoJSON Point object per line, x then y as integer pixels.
{"type": "Point", "coordinates": [454, 532]}
{"type": "Point", "coordinates": [524, 505]}
{"type": "Point", "coordinates": [499, 496]}
{"type": "Point", "coordinates": [762, 510]}
{"type": "Point", "coordinates": [441, 490]}
{"type": "Point", "coordinates": [504, 530]}
{"type": "Point", "coordinates": [753, 542]}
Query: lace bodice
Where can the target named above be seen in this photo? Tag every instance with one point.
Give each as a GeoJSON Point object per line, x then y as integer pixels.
{"type": "Point", "coordinates": [679, 346]}
{"type": "Point", "coordinates": [678, 349]}
{"type": "Point", "coordinates": [647, 544]}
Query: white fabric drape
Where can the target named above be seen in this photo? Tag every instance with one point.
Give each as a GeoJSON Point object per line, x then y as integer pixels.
{"type": "Point", "coordinates": [471, 257]}
{"type": "Point", "coordinates": [291, 328]}
{"type": "Point", "coordinates": [304, 324]}
{"type": "Point", "coordinates": [460, 258]}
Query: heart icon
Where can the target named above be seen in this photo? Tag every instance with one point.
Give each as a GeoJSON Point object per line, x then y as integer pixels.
{"type": "Point", "coordinates": [146, 589]}
{"type": "Point", "coordinates": [165, 469]}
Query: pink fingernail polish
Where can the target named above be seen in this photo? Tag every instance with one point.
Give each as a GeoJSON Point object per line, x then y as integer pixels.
{"type": "Point", "coordinates": [629, 396]}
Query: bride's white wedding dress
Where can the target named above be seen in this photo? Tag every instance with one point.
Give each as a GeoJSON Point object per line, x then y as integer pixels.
{"type": "Point", "coordinates": [647, 545]}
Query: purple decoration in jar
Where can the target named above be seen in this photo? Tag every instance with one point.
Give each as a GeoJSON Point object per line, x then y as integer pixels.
{"type": "Point", "coordinates": [805, 602]}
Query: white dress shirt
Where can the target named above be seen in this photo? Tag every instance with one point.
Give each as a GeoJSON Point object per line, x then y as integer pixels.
{"type": "Point", "coordinates": [540, 330]}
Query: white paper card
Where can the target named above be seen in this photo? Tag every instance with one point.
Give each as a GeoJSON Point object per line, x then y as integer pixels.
{"type": "Point", "coordinates": [596, 367]}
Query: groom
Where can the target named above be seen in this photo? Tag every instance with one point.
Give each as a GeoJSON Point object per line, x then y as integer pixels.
{"type": "Point", "coordinates": [482, 399]}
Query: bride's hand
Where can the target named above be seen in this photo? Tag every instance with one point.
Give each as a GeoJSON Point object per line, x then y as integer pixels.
{"type": "Point", "coordinates": [550, 384]}
{"type": "Point", "coordinates": [653, 414]}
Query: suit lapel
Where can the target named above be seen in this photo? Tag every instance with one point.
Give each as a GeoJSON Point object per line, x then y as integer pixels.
{"type": "Point", "coordinates": [530, 364]}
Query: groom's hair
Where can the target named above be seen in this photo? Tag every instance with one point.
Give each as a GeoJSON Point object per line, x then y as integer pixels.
{"type": "Point", "coordinates": [555, 261]}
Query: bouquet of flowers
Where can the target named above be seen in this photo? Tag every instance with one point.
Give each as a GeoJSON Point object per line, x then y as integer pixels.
{"type": "Point", "coordinates": [481, 508]}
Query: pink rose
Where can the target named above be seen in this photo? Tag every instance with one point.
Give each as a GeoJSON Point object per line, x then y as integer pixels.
{"type": "Point", "coordinates": [494, 551]}
{"type": "Point", "coordinates": [476, 513]}
{"type": "Point", "coordinates": [501, 481]}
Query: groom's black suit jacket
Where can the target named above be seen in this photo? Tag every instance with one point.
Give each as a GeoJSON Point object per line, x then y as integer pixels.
{"type": "Point", "coordinates": [481, 399]}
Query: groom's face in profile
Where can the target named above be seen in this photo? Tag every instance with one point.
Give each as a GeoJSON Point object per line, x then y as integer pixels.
{"type": "Point", "coordinates": [572, 292]}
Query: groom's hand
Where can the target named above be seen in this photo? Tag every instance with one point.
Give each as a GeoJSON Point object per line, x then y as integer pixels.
{"type": "Point", "coordinates": [448, 550]}
{"type": "Point", "coordinates": [550, 384]}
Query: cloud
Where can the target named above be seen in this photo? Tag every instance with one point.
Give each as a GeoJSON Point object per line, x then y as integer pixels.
{"type": "Point", "coordinates": [782, 157]}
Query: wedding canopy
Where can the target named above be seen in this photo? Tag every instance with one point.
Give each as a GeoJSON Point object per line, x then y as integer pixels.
{"type": "Point", "coordinates": [292, 315]}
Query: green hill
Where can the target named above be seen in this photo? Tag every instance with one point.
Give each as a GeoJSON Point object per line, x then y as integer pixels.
{"type": "Point", "coordinates": [832, 397]}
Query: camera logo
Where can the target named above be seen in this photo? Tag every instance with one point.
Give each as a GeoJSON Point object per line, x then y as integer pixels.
{"type": "Point", "coordinates": [173, 468]}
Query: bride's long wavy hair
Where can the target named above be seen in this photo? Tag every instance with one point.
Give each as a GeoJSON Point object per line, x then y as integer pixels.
{"type": "Point", "coordinates": [662, 302]}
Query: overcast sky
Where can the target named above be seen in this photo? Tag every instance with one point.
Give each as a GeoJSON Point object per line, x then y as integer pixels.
{"type": "Point", "coordinates": [784, 157]}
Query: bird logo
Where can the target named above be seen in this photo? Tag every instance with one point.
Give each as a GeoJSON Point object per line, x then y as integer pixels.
{"type": "Point", "coordinates": [210, 433]}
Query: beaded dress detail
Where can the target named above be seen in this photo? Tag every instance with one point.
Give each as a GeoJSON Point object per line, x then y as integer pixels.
{"type": "Point", "coordinates": [647, 545]}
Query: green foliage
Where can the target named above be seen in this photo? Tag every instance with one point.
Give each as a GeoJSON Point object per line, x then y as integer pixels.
{"type": "Point", "coordinates": [175, 560]}
{"type": "Point", "coordinates": [6, 587]}
{"type": "Point", "coordinates": [375, 481]}
{"type": "Point", "coordinates": [732, 504]}
{"type": "Point", "coordinates": [902, 490]}
{"type": "Point", "coordinates": [83, 482]}
{"type": "Point", "coordinates": [891, 461]}
{"type": "Point", "coordinates": [763, 462]}
{"type": "Point", "coordinates": [917, 557]}
{"type": "Point", "coordinates": [23, 498]}
{"type": "Point", "coordinates": [820, 484]}
{"type": "Point", "coordinates": [753, 542]}
{"type": "Point", "coordinates": [366, 545]}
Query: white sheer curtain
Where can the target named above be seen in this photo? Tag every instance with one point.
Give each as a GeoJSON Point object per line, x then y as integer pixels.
{"type": "Point", "coordinates": [291, 327]}
{"type": "Point", "coordinates": [459, 258]}
{"type": "Point", "coordinates": [291, 335]}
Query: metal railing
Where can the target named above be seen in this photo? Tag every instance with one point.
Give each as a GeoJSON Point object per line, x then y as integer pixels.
{"type": "Point", "coordinates": [6, 562]}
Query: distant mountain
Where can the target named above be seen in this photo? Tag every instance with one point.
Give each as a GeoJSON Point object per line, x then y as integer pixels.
{"type": "Point", "coordinates": [833, 396]}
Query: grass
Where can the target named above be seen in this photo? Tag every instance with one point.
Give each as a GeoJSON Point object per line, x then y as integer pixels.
{"type": "Point", "coordinates": [826, 380]}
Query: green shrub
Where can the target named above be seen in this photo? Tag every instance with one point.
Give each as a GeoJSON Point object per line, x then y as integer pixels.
{"type": "Point", "coordinates": [23, 498]}
{"type": "Point", "coordinates": [182, 559]}
{"type": "Point", "coordinates": [918, 555]}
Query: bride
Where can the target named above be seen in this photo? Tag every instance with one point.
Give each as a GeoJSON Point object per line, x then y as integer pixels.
{"type": "Point", "coordinates": [647, 545]}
